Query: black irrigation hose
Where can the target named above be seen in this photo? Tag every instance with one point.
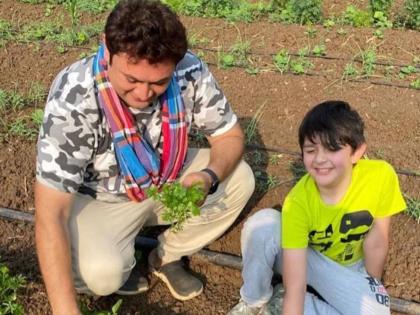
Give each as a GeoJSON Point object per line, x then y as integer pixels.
{"type": "Point", "coordinates": [218, 258]}
{"type": "Point", "coordinates": [297, 154]}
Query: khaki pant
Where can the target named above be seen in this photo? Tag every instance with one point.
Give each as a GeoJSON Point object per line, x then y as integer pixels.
{"type": "Point", "coordinates": [103, 234]}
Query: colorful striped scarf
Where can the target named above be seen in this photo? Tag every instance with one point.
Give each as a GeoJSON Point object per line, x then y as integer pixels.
{"type": "Point", "coordinates": [136, 158]}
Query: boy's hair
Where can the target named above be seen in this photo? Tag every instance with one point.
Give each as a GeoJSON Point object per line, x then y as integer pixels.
{"type": "Point", "coordinates": [335, 123]}
{"type": "Point", "coordinates": [145, 29]}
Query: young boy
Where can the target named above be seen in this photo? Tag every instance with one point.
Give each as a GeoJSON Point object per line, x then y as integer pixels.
{"type": "Point", "coordinates": [334, 225]}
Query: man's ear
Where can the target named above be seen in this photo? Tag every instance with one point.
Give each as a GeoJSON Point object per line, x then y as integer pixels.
{"type": "Point", "coordinates": [358, 153]}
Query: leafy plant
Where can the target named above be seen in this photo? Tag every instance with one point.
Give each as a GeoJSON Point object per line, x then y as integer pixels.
{"type": "Point", "coordinates": [329, 23]}
{"type": "Point", "coordinates": [319, 50]}
{"type": "Point", "coordinates": [380, 20]}
{"type": "Point", "coordinates": [368, 61]}
{"type": "Point", "coordinates": [415, 84]}
{"type": "Point", "coordinates": [306, 11]}
{"type": "Point", "coordinates": [412, 7]}
{"type": "Point", "coordinates": [282, 61]}
{"type": "Point", "coordinates": [114, 309]}
{"type": "Point", "coordinates": [349, 70]}
{"type": "Point", "coordinates": [300, 65]}
{"type": "Point", "coordinates": [9, 285]}
{"type": "Point", "coordinates": [226, 60]}
{"type": "Point", "coordinates": [356, 17]}
{"type": "Point", "coordinates": [380, 6]}
{"type": "Point", "coordinates": [311, 32]}
{"type": "Point", "coordinates": [180, 202]}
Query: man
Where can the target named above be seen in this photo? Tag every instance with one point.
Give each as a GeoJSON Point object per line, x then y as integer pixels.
{"type": "Point", "coordinates": [116, 123]}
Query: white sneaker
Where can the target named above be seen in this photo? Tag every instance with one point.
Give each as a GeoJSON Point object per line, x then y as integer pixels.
{"type": "Point", "coordinates": [242, 308]}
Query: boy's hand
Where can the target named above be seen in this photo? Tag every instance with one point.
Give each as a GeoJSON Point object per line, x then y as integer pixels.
{"type": "Point", "coordinates": [375, 247]}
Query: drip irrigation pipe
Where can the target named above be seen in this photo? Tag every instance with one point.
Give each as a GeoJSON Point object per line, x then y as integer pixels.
{"type": "Point", "coordinates": [297, 154]}
{"type": "Point", "coordinates": [217, 258]}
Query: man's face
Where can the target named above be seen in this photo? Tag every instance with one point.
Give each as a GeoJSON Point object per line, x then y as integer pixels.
{"type": "Point", "coordinates": [137, 82]}
{"type": "Point", "coordinates": [331, 170]}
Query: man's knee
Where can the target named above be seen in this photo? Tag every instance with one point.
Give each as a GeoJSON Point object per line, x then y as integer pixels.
{"type": "Point", "coordinates": [244, 177]}
{"type": "Point", "coordinates": [104, 276]}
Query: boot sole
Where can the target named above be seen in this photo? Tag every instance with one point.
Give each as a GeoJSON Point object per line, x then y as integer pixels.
{"type": "Point", "coordinates": [171, 289]}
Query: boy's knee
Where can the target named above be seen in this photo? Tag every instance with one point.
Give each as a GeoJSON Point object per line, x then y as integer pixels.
{"type": "Point", "coordinates": [105, 276]}
{"type": "Point", "coordinates": [265, 222]}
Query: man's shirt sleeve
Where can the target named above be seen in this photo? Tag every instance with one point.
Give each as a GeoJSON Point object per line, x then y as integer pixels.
{"type": "Point", "coordinates": [212, 113]}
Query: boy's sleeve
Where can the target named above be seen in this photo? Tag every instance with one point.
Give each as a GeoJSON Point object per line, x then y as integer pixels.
{"type": "Point", "coordinates": [295, 225]}
{"type": "Point", "coordinates": [391, 199]}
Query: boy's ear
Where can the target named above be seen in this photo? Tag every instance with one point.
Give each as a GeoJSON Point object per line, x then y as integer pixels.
{"type": "Point", "coordinates": [358, 153]}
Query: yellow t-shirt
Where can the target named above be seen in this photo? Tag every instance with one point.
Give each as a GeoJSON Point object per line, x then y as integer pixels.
{"type": "Point", "coordinates": [338, 230]}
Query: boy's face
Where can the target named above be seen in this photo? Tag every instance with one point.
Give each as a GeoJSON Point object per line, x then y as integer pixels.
{"type": "Point", "coordinates": [331, 170]}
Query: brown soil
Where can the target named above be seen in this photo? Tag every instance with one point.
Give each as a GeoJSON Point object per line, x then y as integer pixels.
{"type": "Point", "coordinates": [391, 114]}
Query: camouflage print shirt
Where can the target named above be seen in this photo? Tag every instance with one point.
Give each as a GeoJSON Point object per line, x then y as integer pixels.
{"type": "Point", "coordinates": [75, 149]}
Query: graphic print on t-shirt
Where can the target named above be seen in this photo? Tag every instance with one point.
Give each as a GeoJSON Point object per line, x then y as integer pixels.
{"type": "Point", "coordinates": [352, 229]}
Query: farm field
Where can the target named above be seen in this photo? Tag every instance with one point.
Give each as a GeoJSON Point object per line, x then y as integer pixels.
{"type": "Point", "coordinates": [271, 73]}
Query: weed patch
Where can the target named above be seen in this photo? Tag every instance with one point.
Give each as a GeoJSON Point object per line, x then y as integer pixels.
{"type": "Point", "coordinates": [9, 286]}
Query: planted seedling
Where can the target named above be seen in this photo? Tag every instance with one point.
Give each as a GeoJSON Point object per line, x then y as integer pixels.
{"type": "Point", "coordinates": [282, 60]}
{"type": "Point", "coordinates": [114, 309]}
{"type": "Point", "coordinates": [415, 84]}
{"type": "Point", "coordinates": [181, 203]}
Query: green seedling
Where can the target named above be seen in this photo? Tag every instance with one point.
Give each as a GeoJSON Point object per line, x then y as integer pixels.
{"type": "Point", "coordinates": [341, 31]}
{"type": "Point", "coordinates": [328, 23]}
{"type": "Point", "coordinates": [226, 60]}
{"type": "Point", "coordinates": [9, 286]}
{"type": "Point", "coordinates": [319, 50]}
{"type": "Point", "coordinates": [275, 159]}
{"type": "Point", "coordinates": [311, 32]}
{"type": "Point", "coordinates": [349, 70]}
{"type": "Point", "coordinates": [415, 84]}
{"type": "Point", "coordinates": [378, 34]}
{"type": "Point", "coordinates": [180, 202]}
{"type": "Point", "coordinates": [282, 61]}
{"type": "Point", "coordinates": [407, 70]}
{"type": "Point", "coordinates": [251, 127]}
{"type": "Point", "coordinates": [300, 65]}
{"type": "Point", "coordinates": [114, 309]}
{"type": "Point", "coordinates": [368, 61]}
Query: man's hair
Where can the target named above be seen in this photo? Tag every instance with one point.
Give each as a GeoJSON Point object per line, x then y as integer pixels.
{"type": "Point", "coordinates": [335, 123]}
{"type": "Point", "coordinates": [145, 29]}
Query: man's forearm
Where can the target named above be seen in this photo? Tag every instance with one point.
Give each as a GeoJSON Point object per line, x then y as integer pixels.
{"type": "Point", "coordinates": [54, 258]}
{"type": "Point", "coordinates": [226, 151]}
